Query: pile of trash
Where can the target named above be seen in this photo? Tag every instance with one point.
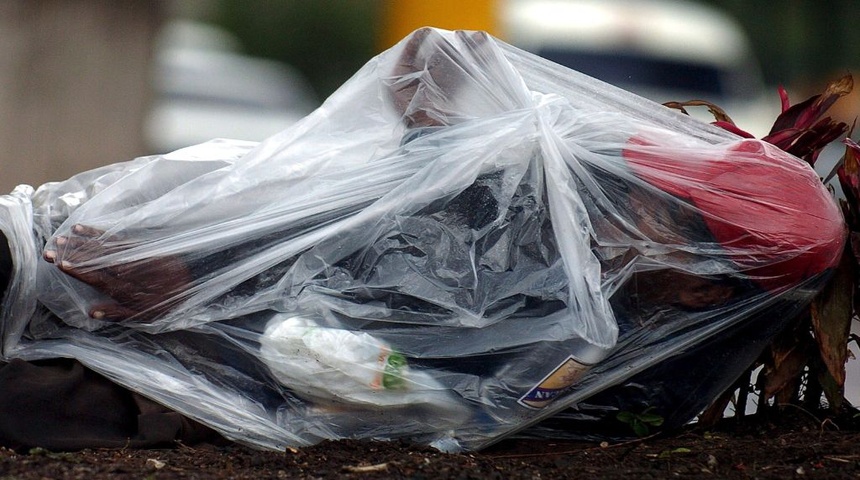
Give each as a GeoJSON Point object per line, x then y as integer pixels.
{"type": "Point", "coordinates": [464, 241]}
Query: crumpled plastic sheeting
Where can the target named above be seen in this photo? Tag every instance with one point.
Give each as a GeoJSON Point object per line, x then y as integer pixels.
{"type": "Point", "coordinates": [445, 251]}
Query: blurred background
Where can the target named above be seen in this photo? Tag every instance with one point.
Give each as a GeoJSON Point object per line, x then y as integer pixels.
{"type": "Point", "coordinates": [85, 83]}
{"type": "Point", "coordinates": [89, 82]}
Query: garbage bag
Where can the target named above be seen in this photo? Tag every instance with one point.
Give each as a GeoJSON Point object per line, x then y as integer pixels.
{"type": "Point", "coordinates": [462, 241]}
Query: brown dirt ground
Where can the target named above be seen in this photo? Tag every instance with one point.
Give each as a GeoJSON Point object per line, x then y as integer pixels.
{"type": "Point", "coordinates": [797, 446]}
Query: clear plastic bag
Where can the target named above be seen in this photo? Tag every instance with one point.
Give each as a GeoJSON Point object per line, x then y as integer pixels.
{"type": "Point", "coordinates": [445, 251]}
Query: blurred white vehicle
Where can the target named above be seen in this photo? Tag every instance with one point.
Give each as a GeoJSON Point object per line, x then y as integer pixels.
{"type": "Point", "coordinates": [204, 88]}
{"type": "Point", "coordinates": [663, 50]}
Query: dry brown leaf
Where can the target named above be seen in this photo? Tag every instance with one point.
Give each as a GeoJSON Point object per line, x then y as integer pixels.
{"type": "Point", "coordinates": [834, 392]}
{"type": "Point", "coordinates": [831, 313]}
{"type": "Point", "coordinates": [716, 410]}
{"type": "Point", "coordinates": [719, 114]}
{"type": "Point", "coordinates": [786, 372]}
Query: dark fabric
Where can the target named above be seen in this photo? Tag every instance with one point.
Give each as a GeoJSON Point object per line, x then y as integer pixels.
{"type": "Point", "coordinates": [61, 405]}
{"type": "Point", "coordinates": [5, 264]}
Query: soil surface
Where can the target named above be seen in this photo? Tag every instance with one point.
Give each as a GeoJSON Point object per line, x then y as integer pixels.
{"type": "Point", "coordinates": [798, 446]}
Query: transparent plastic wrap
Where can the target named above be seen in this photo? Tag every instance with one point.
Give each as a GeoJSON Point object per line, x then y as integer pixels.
{"type": "Point", "coordinates": [445, 251]}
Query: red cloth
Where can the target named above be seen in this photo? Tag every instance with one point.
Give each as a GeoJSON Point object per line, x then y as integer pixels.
{"type": "Point", "coordinates": [768, 209]}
